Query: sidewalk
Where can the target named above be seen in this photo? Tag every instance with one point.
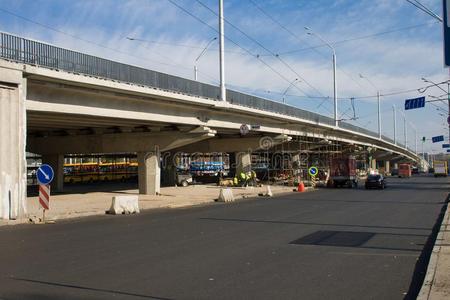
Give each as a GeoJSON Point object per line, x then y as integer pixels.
{"type": "Point", "coordinates": [74, 205]}
{"type": "Point", "coordinates": [436, 285]}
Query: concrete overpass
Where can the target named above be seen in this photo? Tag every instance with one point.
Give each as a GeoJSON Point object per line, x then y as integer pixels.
{"type": "Point", "coordinates": [56, 101]}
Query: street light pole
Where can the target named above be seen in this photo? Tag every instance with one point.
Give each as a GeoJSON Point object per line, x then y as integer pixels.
{"type": "Point", "coordinates": [448, 118]}
{"type": "Point", "coordinates": [379, 114]}
{"type": "Point", "coordinates": [200, 55]}
{"type": "Point", "coordinates": [293, 81]}
{"type": "Point", "coordinates": [448, 99]}
{"type": "Point", "coordinates": [336, 122]}
{"type": "Point", "coordinates": [223, 95]}
{"type": "Point", "coordinates": [310, 32]}
{"type": "Point", "coordinates": [379, 103]}
{"type": "Point", "coordinates": [395, 124]}
{"type": "Point", "coordinates": [405, 130]}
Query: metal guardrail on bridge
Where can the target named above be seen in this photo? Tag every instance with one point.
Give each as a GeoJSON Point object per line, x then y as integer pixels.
{"type": "Point", "coordinates": [26, 51]}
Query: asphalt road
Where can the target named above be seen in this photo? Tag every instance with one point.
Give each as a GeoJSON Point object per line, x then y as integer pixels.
{"type": "Point", "coordinates": [328, 244]}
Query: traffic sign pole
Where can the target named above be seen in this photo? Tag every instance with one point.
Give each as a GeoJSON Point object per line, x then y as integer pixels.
{"type": "Point", "coordinates": [44, 175]}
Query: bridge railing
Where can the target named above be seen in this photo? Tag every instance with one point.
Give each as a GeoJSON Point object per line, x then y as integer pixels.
{"type": "Point", "coordinates": [27, 51]}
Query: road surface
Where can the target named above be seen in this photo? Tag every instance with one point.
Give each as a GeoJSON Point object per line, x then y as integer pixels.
{"type": "Point", "coordinates": [328, 244]}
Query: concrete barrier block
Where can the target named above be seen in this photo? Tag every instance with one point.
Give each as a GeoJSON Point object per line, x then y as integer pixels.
{"type": "Point", "coordinates": [226, 195]}
{"type": "Point", "coordinates": [268, 191]}
{"type": "Point", "coordinates": [124, 205]}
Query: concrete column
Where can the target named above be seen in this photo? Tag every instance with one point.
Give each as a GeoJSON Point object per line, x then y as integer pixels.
{"type": "Point", "coordinates": [168, 169]}
{"type": "Point", "coordinates": [56, 161]}
{"type": "Point", "coordinates": [373, 164]}
{"type": "Point", "coordinates": [396, 166]}
{"type": "Point", "coordinates": [149, 172]}
{"type": "Point", "coordinates": [387, 167]}
{"type": "Point", "coordinates": [243, 162]}
{"type": "Point", "coordinates": [13, 165]}
{"type": "Point", "coordinates": [295, 162]}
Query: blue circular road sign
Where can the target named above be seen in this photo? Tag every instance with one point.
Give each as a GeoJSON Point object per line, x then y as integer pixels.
{"type": "Point", "coordinates": [313, 171]}
{"type": "Point", "coordinates": [45, 174]}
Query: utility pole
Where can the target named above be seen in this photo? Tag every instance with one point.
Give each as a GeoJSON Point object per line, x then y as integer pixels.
{"type": "Point", "coordinates": [223, 92]}
{"type": "Point", "coordinates": [310, 32]}
{"type": "Point", "coordinates": [448, 118]}
{"type": "Point", "coordinates": [379, 114]}
{"type": "Point", "coordinates": [405, 131]}
{"type": "Point", "coordinates": [379, 102]}
{"type": "Point", "coordinates": [395, 124]}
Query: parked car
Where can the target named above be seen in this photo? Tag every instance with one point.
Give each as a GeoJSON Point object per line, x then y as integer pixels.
{"type": "Point", "coordinates": [375, 181]}
{"type": "Point", "coordinates": [394, 172]}
{"type": "Point", "coordinates": [415, 170]}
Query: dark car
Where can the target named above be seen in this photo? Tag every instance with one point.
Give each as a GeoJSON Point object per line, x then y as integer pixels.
{"type": "Point", "coordinates": [375, 181]}
{"type": "Point", "coordinates": [415, 170]}
{"type": "Point", "coordinates": [394, 172]}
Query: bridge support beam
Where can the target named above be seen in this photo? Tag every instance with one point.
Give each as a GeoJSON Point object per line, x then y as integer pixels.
{"type": "Point", "coordinates": [168, 169]}
{"type": "Point", "coordinates": [13, 175]}
{"type": "Point", "coordinates": [243, 162]}
{"type": "Point", "coordinates": [387, 167]}
{"type": "Point", "coordinates": [56, 161]}
{"type": "Point", "coordinates": [149, 172]}
{"type": "Point", "coordinates": [373, 164]}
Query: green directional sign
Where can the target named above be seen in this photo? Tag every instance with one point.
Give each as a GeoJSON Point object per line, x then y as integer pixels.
{"type": "Point", "coordinates": [313, 171]}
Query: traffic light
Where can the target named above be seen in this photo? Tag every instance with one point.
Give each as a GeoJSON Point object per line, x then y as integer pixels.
{"type": "Point", "coordinates": [423, 139]}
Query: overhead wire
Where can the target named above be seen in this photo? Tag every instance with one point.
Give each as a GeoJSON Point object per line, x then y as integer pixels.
{"type": "Point", "coordinates": [92, 42]}
{"type": "Point", "coordinates": [297, 37]}
{"type": "Point", "coordinates": [425, 9]}
{"type": "Point", "coordinates": [235, 43]}
{"type": "Point", "coordinates": [263, 47]}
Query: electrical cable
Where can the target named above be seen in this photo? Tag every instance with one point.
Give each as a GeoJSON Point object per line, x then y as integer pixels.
{"type": "Point", "coordinates": [263, 47]}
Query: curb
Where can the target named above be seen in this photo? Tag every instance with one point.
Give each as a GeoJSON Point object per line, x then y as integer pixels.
{"type": "Point", "coordinates": [429, 279]}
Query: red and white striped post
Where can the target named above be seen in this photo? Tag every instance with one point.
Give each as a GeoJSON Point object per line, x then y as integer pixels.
{"type": "Point", "coordinates": [44, 198]}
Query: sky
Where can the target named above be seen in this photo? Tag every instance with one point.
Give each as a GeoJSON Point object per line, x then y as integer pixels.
{"type": "Point", "coordinates": [381, 45]}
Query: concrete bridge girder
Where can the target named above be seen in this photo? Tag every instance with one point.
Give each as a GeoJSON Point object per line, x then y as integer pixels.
{"type": "Point", "coordinates": [116, 142]}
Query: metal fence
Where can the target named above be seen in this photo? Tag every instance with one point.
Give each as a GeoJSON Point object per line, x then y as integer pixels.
{"type": "Point", "coordinates": [26, 51]}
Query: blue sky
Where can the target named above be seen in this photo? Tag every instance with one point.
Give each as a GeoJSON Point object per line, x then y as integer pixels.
{"type": "Point", "coordinates": [392, 62]}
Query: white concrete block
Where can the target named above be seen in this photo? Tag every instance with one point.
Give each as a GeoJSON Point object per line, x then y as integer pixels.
{"type": "Point", "coordinates": [268, 191]}
{"type": "Point", "coordinates": [226, 195]}
{"type": "Point", "coordinates": [124, 205]}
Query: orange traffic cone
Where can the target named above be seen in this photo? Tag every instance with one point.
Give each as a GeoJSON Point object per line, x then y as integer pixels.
{"type": "Point", "coordinates": [301, 187]}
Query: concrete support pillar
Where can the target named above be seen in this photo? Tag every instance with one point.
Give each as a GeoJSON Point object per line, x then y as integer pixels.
{"type": "Point", "coordinates": [13, 165]}
{"type": "Point", "coordinates": [56, 161]}
{"type": "Point", "coordinates": [149, 172]}
{"type": "Point", "coordinates": [295, 162]}
{"type": "Point", "coordinates": [243, 162]}
{"type": "Point", "coordinates": [373, 164]}
{"type": "Point", "coordinates": [396, 166]}
{"type": "Point", "coordinates": [387, 167]}
{"type": "Point", "coordinates": [168, 169]}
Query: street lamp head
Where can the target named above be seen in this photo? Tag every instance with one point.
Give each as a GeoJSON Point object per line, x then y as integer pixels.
{"type": "Point", "coordinates": [130, 38]}
{"type": "Point", "coordinates": [307, 28]}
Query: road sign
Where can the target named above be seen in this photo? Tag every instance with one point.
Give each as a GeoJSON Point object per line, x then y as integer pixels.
{"type": "Point", "coordinates": [45, 174]}
{"type": "Point", "coordinates": [445, 145]}
{"type": "Point", "coordinates": [437, 139]}
{"type": "Point", "coordinates": [44, 196]}
{"type": "Point", "coordinates": [244, 129]}
{"type": "Point", "coordinates": [313, 171]}
{"type": "Point", "coordinates": [414, 103]}
{"type": "Point", "coordinates": [446, 24]}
